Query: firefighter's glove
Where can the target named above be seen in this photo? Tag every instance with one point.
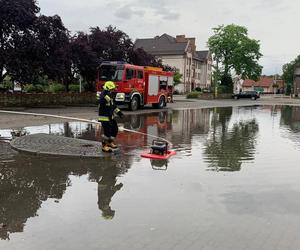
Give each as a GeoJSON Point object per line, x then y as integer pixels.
{"type": "Point", "coordinates": [120, 114]}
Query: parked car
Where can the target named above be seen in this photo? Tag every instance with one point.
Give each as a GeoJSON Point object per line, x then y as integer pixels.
{"type": "Point", "coordinates": [246, 94]}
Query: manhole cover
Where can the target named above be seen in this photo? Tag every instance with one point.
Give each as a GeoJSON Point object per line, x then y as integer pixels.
{"type": "Point", "coordinates": [87, 146]}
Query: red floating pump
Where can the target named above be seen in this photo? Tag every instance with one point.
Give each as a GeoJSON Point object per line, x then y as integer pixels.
{"type": "Point", "coordinates": [159, 151]}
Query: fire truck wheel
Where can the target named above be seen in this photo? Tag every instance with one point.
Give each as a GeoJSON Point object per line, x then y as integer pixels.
{"type": "Point", "coordinates": [134, 104]}
{"type": "Point", "coordinates": [161, 104]}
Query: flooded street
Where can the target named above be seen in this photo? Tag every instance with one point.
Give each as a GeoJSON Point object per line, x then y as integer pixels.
{"type": "Point", "coordinates": [234, 184]}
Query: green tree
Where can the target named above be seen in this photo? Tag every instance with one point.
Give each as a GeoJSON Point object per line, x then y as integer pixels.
{"type": "Point", "coordinates": [177, 75]}
{"type": "Point", "coordinates": [15, 17]}
{"type": "Point", "coordinates": [288, 70]}
{"type": "Point", "coordinates": [234, 52]}
{"type": "Point", "coordinates": [40, 51]}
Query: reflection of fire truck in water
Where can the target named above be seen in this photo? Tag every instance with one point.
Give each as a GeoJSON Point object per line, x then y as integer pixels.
{"type": "Point", "coordinates": [158, 124]}
{"type": "Point", "coordinates": [136, 85]}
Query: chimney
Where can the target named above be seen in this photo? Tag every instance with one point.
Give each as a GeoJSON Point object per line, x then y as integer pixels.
{"type": "Point", "coordinates": [193, 43]}
{"type": "Point", "coordinates": [180, 39]}
{"type": "Point", "coordinates": [183, 39]}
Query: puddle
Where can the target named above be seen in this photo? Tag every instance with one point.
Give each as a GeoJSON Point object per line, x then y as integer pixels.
{"type": "Point", "coordinates": [236, 170]}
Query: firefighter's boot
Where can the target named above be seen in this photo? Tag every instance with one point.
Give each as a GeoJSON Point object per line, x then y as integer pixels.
{"type": "Point", "coordinates": [106, 148]}
{"type": "Point", "coordinates": [112, 145]}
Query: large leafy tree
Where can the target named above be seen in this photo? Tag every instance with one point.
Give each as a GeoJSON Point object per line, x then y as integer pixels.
{"type": "Point", "coordinates": [234, 52]}
{"type": "Point", "coordinates": [110, 43]}
{"type": "Point", "coordinates": [139, 56]}
{"type": "Point", "coordinates": [25, 60]}
{"type": "Point", "coordinates": [16, 16]}
{"type": "Point", "coordinates": [288, 70]}
{"type": "Point", "coordinates": [40, 51]}
{"type": "Point", "coordinates": [54, 39]}
{"type": "Point", "coordinates": [84, 59]}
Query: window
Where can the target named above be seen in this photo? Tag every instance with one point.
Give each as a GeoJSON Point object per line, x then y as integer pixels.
{"type": "Point", "coordinates": [111, 72]}
{"type": "Point", "coordinates": [129, 74]}
{"type": "Point", "coordinates": [170, 81]}
{"type": "Point", "coordinates": [163, 81]}
{"type": "Point", "coordinates": [140, 75]}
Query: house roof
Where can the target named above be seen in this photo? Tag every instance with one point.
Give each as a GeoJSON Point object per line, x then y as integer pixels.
{"type": "Point", "coordinates": [202, 55]}
{"type": "Point", "coordinates": [264, 81]}
{"type": "Point", "coordinates": [162, 45]}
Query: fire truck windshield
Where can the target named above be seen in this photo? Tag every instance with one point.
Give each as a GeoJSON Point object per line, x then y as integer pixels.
{"type": "Point", "coordinates": [111, 72]}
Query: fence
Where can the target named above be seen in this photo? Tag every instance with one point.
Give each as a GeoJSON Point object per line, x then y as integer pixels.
{"type": "Point", "coordinates": [46, 99]}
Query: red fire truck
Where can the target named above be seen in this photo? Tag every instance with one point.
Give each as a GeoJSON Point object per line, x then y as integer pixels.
{"type": "Point", "coordinates": [136, 85]}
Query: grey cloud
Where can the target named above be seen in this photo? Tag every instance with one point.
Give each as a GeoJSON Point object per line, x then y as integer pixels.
{"type": "Point", "coordinates": [139, 12]}
{"type": "Point", "coordinates": [160, 8]}
{"type": "Point", "coordinates": [171, 16]}
{"type": "Point", "coordinates": [167, 15]}
{"type": "Point", "coordinates": [126, 12]}
{"type": "Point", "coordinates": [274, 5]}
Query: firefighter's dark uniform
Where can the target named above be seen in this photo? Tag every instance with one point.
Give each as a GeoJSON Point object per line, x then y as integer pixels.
{"type": "Point", "coordinates": [107, 112]}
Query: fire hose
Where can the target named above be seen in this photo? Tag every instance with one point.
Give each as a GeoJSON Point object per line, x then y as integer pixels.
{"type": "Point", "coordinates": [82, 120]}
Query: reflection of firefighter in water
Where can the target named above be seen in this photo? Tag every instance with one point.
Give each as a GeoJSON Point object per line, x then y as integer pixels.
{"type": "Point", "coordinates": [107, 187]}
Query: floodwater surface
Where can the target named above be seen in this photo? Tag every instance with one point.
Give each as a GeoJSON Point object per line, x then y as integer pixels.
{"type": "Point", "coordinates": [234, 184]}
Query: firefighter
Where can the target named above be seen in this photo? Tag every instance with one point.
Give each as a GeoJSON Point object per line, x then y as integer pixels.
{"type": "Point", "coordinates": [107, 113]}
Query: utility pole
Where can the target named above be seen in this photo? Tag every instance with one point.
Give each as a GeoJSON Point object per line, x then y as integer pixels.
{"type": "Point", "coordinates": [80, 84]}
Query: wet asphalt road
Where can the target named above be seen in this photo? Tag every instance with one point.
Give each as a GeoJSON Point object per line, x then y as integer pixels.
{"type": "Point", "coordinates": [234, 184]}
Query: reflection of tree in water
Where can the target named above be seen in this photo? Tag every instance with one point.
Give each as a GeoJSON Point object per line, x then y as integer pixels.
{"type": "Point", "coordinates": [28, 181]}
{"type": "Point", "coordinates": [290, 117]}
{"type": "Point", "coordinates": [226, 149]}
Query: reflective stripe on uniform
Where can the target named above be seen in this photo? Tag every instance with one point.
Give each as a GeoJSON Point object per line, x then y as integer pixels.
{"type": "Point", "coordinates": [107, 98]}
{"type": "Point", "coordinates": [103, 119]}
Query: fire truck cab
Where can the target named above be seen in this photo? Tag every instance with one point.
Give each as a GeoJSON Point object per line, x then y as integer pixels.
{"type": "Point", "coordinates": [136, 85]}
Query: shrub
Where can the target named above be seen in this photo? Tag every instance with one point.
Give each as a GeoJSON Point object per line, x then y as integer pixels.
{"type": "Point", "coordinates": [74, 88]}
{"type": "Point", "coordinates": [56, 88]}
{"type": "Point", "coordinates": [223, 89]}
{"type": "Point", "coordinates": [176, 92]}
{"type": "Point", "coordinates": [39, 88]}
{"type": "Point", "coordinates": [30, 88]}
{"type": "Point", "coordinates": [193, 94]}
{"type": "Point", "coordinates": [198, 89]}
{"type": "Point", "coordinates": [7, 83]}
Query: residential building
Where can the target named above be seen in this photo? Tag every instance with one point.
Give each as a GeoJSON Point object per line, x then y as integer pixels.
{"type": "Point", "coordinates": [237, 84]}
{"type": "Point", "coordinates": [180, 52]}
{"type": "Point", "coordinates": [263, 85]}
{"type": "Point", "coordinates": [205, 68]}
{"type": "Point", "coordinates": [297, 81]}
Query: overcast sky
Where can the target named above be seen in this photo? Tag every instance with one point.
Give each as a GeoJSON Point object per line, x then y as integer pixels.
{"type": "Point", "coordinates": [273, 22]}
